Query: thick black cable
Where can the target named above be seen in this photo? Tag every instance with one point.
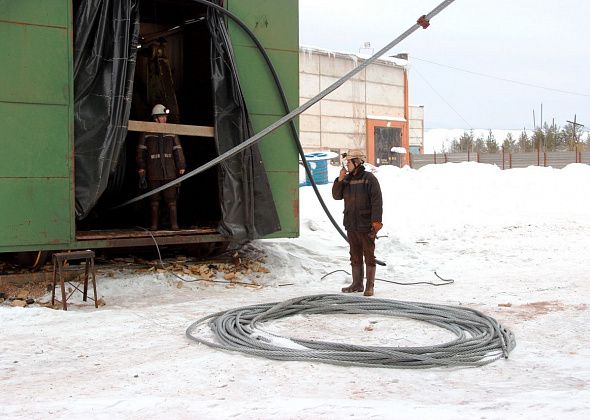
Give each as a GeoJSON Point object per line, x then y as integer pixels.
{"type": "Point", "coordinates": [290, 114]}
{"type": "Point", "coordinates": [446, 282]}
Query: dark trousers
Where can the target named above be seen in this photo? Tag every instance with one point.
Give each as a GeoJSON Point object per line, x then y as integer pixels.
{"type": "Point", "coordinates": [169, 193]}
{"type": "Point", "coordinates": [361, 244]}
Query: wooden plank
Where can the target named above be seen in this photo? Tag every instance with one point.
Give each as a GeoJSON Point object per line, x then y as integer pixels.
{"type": "Point", "coordinates": [118, 234]}
{"type": "Point", "coordinates": [179, 129]}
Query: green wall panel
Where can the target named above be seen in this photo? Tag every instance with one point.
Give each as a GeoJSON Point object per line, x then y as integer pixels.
{"type": "Point", "coordinates": [36, 198]}
{"type": "Point", "coordinates": [260, 91]}
{"type": "Point", "coordinates": [274, 22]}
{"type": "Point", "coordinates": [278, 149]}
{"type": "Point", "coordinates": [35, 64]}
{"type": "Point", "coordinates": [35, 211]}
{"type": "Point", "coordinates": [36, 141]}
{"type": "Point", "coordinates": [37, 12]}
{"type": "Point", "coordinates": [285, 188]}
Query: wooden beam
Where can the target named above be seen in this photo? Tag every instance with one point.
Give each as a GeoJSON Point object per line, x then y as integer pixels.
{"type": "Point", "coordinates": [179, 129]}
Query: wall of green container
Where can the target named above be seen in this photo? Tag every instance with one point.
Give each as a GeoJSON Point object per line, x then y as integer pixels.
{"type": "Point", "coordinates": [275, 23]}
{"type": "Point", "coordinates": [36, 104]}
{"type": "Point", "coordinates": [36, 189]}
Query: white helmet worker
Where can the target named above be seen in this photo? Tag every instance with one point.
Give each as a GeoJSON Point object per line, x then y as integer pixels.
{"type": "Point", "coordinates": [159, 109]}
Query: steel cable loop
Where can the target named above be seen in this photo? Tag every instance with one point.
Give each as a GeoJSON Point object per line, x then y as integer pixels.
{"type": "Point", "coordinates": [479, 340]}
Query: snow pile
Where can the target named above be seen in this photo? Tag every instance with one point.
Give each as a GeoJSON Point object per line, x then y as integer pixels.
{"type": "Point", "coordinates": [515, 242]}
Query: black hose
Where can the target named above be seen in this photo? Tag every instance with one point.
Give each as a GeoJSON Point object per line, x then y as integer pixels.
{"type": "Point", "coordinates": [285, 103]}
{"type": "Point", "coordinates": [422, 22]}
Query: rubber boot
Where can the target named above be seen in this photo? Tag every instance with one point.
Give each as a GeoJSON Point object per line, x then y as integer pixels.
{"type": "Point", "coordinates": [155, 216]}
{"type": "Point", "coordinates": [173, 217]}
{"type": "Point", "coordinates": [357, 280]}
{"type": "Point", "coordinates": [369, 290]}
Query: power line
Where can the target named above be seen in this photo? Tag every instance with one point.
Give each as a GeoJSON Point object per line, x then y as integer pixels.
{"type": "Point", "coordinates": [441, 97]}
{"type": "Point", "coordinates": [503, 79]}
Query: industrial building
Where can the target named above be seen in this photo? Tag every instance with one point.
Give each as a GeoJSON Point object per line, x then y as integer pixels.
{"type": "Point", "coordinates": [370, 112]}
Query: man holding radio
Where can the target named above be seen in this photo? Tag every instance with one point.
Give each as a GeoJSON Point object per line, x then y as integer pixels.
{"type": "Point", "coordinates": [363, 210]}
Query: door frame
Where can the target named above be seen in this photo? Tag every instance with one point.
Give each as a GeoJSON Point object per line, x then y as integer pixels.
{"type": "Point", "coordinates": [393, 123]}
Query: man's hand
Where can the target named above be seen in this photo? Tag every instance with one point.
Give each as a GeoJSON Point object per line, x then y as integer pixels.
{"type": "Point", "coordinates": [181, 172]}
{"type": "Point", "coordinates": [141, 172]}
{"type": "Point", "coordinates": [342, 174]}
{"type": "Point", "coordinates": [376, 226]}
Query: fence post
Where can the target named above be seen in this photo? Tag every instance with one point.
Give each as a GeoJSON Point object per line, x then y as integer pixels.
{"type": "Point", "coordinates": [503, 158]}
{"type": "Point", "coordinates": [545, 159]}
{"type": "Point", "coordinates": [468, 156]}
{"type": "Point", "coordinates": [435, 158]}
{"type": "Point", "coordinates": [538, 157]}
{"type": "Point", "coordinates": [446, 158]}
{"type": "Point", "coordinates": [510, 160]}
{"type": "Point", "coordinates": [410, 159]}
{"type": "Point", "coordinates": [478, 156]}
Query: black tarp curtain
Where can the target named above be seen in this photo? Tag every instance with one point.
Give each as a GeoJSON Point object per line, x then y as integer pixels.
{"type": "Point", "coordinates": [106, 37]}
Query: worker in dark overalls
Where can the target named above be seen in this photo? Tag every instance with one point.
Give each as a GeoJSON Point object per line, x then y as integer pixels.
{"type": "Point", "coordinates": [160, 159]}
{"type": "Point", "coordinates": [363, 211]}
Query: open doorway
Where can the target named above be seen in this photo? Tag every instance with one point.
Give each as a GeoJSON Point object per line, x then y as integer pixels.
{"type": "Point", "coordinates": [387, 141]}
{"type": "Point", "coordinates": [387, 138]}
{"type": "Point", "coordinates": [172, 68]}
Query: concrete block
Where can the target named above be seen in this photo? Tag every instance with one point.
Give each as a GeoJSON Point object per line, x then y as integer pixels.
{"type": "Point", "coordinates": [351, 91]}
{"type": "Point", "coordinates": [352, 126]}
{"type": "Point", "coordinates": [384, 74]}
{"type": "Point", "coordinates": [309, 62]}
{"type": "Point", "coordinates": [310, 123]}
{"type": "Point", "coordinates": [309, 85]}
{"type": "Point", "coordinates": [343, 141]}
{"type": "Point", "coordinates": [343, 109]}
{"type": "Point", "coordinates": [380, 94]}
{"type": "Point", "coordinates": [314, 110]}
{"type": "Point", "coordinates": [389, 111]}
{"type": "Point", "coordinates": [310, 140]}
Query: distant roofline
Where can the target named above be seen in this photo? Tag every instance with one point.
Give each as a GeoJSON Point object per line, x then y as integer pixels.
{"type": "Point", "coordinates": [397, 62]}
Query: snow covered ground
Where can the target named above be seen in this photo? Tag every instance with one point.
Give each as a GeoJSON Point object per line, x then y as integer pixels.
{"type": "Point", "coordinates": [516, 242]}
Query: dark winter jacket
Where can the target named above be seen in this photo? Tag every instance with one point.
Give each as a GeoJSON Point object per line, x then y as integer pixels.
{"type": "Point", "coordinates": [160, 155]}
{"type": "Point", "coordinates": [363, 202]}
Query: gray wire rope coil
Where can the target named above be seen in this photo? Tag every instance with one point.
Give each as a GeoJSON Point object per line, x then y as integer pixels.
{"type": "Point", "coordinates": [480, 339]}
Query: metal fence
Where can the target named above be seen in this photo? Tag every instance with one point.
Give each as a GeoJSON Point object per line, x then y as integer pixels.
{"type": "Point", "coordinates": [556, 160]}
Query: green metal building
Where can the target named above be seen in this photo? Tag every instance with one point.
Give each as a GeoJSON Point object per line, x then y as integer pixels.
{"type": "Point", "coordinates": [39, 103]}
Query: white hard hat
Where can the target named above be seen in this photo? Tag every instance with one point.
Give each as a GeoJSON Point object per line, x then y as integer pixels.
{"type": "Point", "coordinates": [160, 109]}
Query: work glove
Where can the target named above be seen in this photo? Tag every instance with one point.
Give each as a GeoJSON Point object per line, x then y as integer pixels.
{"type": "Point", "coordinates": [142, 182]}
{"type": "Point", "coordinates": [375, 227]}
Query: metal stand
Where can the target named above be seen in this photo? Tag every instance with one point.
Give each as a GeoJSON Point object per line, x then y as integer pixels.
{"type": "Point", "coordinates": [58, 262]}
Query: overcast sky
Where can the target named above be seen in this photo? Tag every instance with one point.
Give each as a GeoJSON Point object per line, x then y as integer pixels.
{"type": "Point", "coordinates": [540, 42]}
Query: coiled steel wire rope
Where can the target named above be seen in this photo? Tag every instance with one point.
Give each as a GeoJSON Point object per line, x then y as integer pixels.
{"type": "Point", "coordinates": [480, 339]}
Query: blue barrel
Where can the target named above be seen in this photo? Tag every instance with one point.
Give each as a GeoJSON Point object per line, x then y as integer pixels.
{"type": "Point", "coordinates": [318, 164]}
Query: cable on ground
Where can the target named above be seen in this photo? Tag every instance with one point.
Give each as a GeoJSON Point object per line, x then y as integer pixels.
{"type": "Point", "coordinates": [445, 282]}
{"type": "Point", "coordinates": [480, 339]}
